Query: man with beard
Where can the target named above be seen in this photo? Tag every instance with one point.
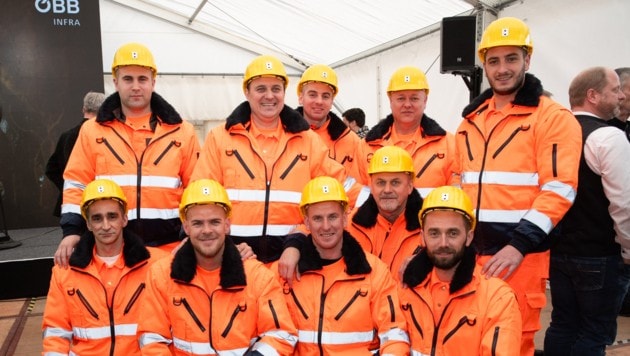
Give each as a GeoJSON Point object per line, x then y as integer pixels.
{"type": "Point", "coordinates": [205, 300]}
{"type": "Point", "coordinates": [386, 225]}
{"type": "Point", "coordinates": [621, 119]}
{"type": "Point", "coordinates": [518, 154]}
{"type": "Point", "coordinates": [450, 307]}
{"type": "Point", "coordinates": [345, 298]}
{"type": "Point", "coordinates": [590, 258]}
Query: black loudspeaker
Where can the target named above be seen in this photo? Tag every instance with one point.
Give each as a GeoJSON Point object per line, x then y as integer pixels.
{"type": "Point", "coordinates": [458, 42]}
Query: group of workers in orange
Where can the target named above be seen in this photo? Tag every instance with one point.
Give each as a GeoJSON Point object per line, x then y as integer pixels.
{"type": "Point", "coordinates": [299, 237]}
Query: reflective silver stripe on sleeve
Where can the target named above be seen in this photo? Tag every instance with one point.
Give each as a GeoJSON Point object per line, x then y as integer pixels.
{"type": "Point", "coordinates": [152, 338]}
{"type": "Point", "coordinates": [58, 332]}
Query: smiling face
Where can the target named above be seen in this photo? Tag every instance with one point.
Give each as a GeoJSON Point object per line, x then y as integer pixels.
{"type": "Point", "coordinates": [135, 86]}
{"type": "Point", "coordinates": [106, 220]}
{"type": "Point", "coordinates": [206, 226]}
{"type": "Point", "coordinates": [316, 99]}
{"type": "Point", "coordinates": [505, 68]}
{"type": "Point", "coordinates": [326, 221]}
{"type": "Point", "coordinates": [266, 100]}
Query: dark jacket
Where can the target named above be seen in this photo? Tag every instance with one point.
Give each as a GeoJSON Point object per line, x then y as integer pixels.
{"type": "Point", "coordinates": [59, 159]}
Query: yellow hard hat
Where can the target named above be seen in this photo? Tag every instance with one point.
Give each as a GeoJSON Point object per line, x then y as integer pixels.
{"type": "Point", "coordinates": [506, 31]}
{"type": "Point", "coordinates": [408, 78]}
{"type": "Point", "coordinates": [202, 192]}
{"type": "Point", "coordinates": [265, 65]}
{"type": "Point", "coordinates": [133, 54]}
{"type": "Point", "coordinates": [321, 189]}
{"type": "Point", "coordinates": [391, 159]}
{"type": "Point", "coordinates": [319, 73]}
{"type": "Point", "coordinates": [100, 189]}
{"type": "Point", "coordinates": [448, 198]}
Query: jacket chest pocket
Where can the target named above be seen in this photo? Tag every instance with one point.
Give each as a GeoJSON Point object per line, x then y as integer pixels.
{"type": "Point", "coordinates": [85, 310]}
{"type": "Point", "coordinates": [354, 307]}
{"type": "Point", "coordinates": [459, 330]}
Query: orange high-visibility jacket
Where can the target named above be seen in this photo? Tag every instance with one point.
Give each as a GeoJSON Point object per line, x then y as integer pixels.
{"type": "Point", "coordinates": [361, 304]}
{"type": "Point", "coordinates": [432, 158]}
{"type": "Point", "coordinates": [265, 209]}
{"type": "Point", "coordinates": [340, 140]}
{"type": "Point", "coordinates": [522, 173]}
{"type": "Point", "coordinates": [77, 318]}
{"type": "Point", "coordinates": [153, 182]}
{"type": "Point", "coordinates": [245, 312]}
{"type": "Point", "coordinates": [481, 316]}
{"type": "Point", "coordinates": [391, 242]}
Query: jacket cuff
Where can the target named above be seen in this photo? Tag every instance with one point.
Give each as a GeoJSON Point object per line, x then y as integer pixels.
{"type": "Point", "coordinates": [295, 240]}
{"type": "Point", "coordinates": [72, 224]}
{"type": "Point", "coordinates": [522, 243]}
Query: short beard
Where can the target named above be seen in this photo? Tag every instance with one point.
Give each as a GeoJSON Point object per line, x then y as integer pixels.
{"type": "Point", "coordinates": [446, 264]}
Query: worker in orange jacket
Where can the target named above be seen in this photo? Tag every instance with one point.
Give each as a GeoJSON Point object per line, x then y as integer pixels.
{"type": "Point", "coordinates": [316, 91]}
{"type": "Point", "coordinates": [345, 297]}
{"type": "Point", "coordinates": [518, 157]}
{"type": "Point", "coordinates": [386, 225]}
{"type": "Point", "coordinates": [408, 127]}
{"type": "Point", "coordinates": [450, 307]}
{"type": "Point", "coordinates": [139, 141]}
{"type": "Point", "coordinates": [205, 300]}
{"type": "Point", "coordinates": [263, 156]}
{"type": "Point", "coordinates": [93, 307]}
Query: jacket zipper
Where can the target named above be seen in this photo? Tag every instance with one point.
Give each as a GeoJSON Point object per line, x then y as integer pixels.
{"type": "Point", "coordinates": [295, 160]}
{"type": "Point", "coordinates": [495, 340]}
{"type": "Point", "coordinates": [299, 306]}
{"type": "Point", "coordinates": [242, 162]}
{"type": "Point", "coordinates": [509, 139]}
{"type": "Point", "coordinates": [87, 305]}
{"type": "Point", "coordinates": [170, 144]}
{"type": "Point", "coordinates": [460, 323]}
{"type": "Point", "coordinates": [239, 308]}
{"type": "Point", "coordinates": [274, 314]}
{"type": "Point", "coordinates": [465, 134]}
{"type": "Point", "coordinates": [413, 318]}
{"type": "Point", "coordinates": [428, 163]}
{"type": "Point", "coordinates": [111, 149]}
{"type": "Point", "coordinates": [554, 159]}
{"type": "Point", "coordinates": [357, 294]}
{"type": "Point", "coordinates": [192, 313]}
{"type": "Point", "coordinates": [134, 298]}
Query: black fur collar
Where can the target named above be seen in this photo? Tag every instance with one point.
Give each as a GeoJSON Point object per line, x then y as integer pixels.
{"type": "Point", "coordinates": [336, 127]}
{"type": "Point", "coordinates": [184, 266]}
{"type": "Point", "coordinates": [528, 95]}
{"type": "Point", "coordinates": [353, 254]}
{"type": "Point", "coordinates": [382, 130]}
{"type": "Point", "coordinates": [420, 266]}
{"type": "Point", "coordinates": [133, 250]}
{"type": "Point", "coordinates": [110, 110]}
{"type": "Point", "coordinates": [367, 213]}
{"type": "Point", "coordinates": [291, 120]}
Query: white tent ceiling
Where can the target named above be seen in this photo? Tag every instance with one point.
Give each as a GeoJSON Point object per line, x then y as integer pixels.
{"type": "Point", "coordinates": [201, 55]}
{"type": "Point", "coordinates": [322, 31]}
